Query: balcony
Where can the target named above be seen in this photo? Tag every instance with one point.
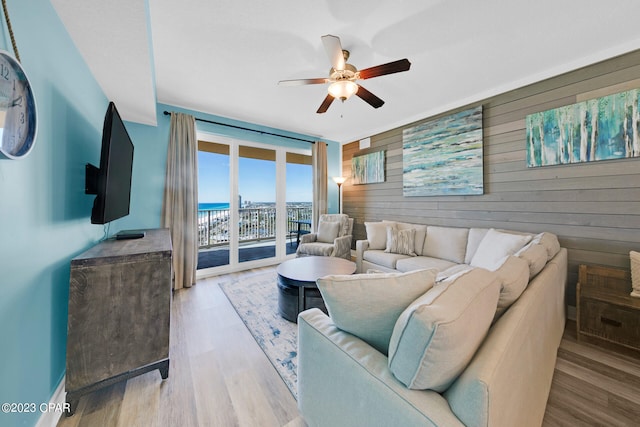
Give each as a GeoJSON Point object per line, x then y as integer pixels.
{"type": "Point", "coordinates": [256, 233]}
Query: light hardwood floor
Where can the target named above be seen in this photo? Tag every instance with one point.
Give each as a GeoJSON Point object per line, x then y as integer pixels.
{"type": "Point", "coordinates": [220, 377]}
{"type": "Point", "coordinates": [593, 386]}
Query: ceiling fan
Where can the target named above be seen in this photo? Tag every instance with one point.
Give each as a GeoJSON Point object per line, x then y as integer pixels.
{"type": "Point", "coordinates": [343, 76]}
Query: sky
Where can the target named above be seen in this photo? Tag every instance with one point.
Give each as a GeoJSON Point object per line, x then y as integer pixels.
{"type": "Point", "coordinates": [257, 180]}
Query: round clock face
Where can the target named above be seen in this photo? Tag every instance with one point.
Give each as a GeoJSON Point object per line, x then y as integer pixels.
{"type": "Point", "coordinates": [17, 109]}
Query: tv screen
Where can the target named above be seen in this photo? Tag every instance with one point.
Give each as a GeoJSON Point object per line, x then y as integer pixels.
{"type": "Point", "coordinates": [112, 181]}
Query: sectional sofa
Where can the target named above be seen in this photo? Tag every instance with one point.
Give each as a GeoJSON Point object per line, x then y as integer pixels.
{"type": "Point", "coordinates": [461, 328]}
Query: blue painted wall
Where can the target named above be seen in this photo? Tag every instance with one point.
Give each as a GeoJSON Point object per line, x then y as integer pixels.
{"type": "Point", "coordinates": [44, 213]}
{"type": "Point", "coordinates": [43, 209]}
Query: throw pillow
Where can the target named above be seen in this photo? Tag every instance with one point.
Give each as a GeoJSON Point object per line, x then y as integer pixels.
{"type": "Point", "coordinates": [421, 233]}
{"type": "Point", "coordinates": [327, 231]}
{"type": "Point", "coordinates": [368, 305]}
{"type": "Point", "coordinates": [495, 247]}
{"type": "Point", "coordinates": [436, 337]}
{"type": "Point", "coordinates": [400, 241]}
{"type": "Point", "coordinates": [376, 235]}
{"type": "Point", "coordinates": [473, 241]}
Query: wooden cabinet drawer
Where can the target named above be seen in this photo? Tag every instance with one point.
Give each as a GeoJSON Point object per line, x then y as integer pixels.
{"type": "Point", "coordinates": [611, 322]}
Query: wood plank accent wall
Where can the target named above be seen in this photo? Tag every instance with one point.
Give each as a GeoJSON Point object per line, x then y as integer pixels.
{"type": "Point", "coordinates": [594, 208]}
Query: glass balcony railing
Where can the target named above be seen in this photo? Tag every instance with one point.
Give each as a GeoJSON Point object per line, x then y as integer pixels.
{"type": "Point", "coordinates": [255, 224]}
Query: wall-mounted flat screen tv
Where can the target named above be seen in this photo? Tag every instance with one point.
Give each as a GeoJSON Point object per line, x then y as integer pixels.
{"type": "Point", "coordinates": [111, 182]}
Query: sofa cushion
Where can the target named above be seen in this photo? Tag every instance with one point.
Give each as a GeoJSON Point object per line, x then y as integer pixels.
{"type": "Point", "coordinates": [376, 235]}
{"type": "Point", "coordinates": [535, 256]}
{"type": "Point", "coordinates": [382, 258]}
{"type": "Point", "coordinates": [421, 233]}
{"type": "Point", "coordinates": [368, 305]}
{"type": "Point", "coordinates": [437, 335]}
{"type": "Point", "coordinates": [400, 241]}
{"type": "Point", "coordinates": [513, 276]}
{"type": "Point", "coordinates": [327, 231]}
{"type": "Point", "coordinates": [473, 241]}
{"type": "Point", "coordinates": [550, 243]}
{"type": "Point", "coordinates": [446, 243]}
{"type": "Point", "coordinates": [496, 246]}
{"type": "Point", "coordinates": [420, 262]}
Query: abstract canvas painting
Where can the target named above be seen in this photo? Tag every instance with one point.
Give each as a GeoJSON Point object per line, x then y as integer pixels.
{"type": "Point", "coordinates": [444, 156]}
{"type": "Point", "coordinates": [597, 129]}
{"type": "Point", "coordinates": [368, 168]}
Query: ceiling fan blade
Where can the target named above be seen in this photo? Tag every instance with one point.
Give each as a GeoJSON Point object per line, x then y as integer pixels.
{"type": "Point", "coordinates": [333, 47]}
{"type": "Point", "coordinates": [369, 98]}
{"type": "Point", "coordinates": [325, 104]}
{"type": "Point", "coordinates": [389, 68]}
{"type": "Point", "coordinates": [300, 82]}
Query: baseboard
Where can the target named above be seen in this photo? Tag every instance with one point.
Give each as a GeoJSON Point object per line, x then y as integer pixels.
{"type": "Point", "coordinates": [571, 313]}
{"type": "Point", "coordinates": [50, 418]}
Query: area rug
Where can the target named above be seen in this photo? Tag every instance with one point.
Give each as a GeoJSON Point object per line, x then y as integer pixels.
{"type": "Point", "coordinates": [255, 299]}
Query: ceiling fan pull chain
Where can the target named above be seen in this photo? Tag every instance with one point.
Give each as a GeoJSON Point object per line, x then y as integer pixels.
{"type": "Point", "coordinates": [13, 39]}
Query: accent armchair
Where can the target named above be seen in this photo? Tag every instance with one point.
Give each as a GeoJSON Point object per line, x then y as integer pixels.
{"type": "Point", "coordinates": [332, 238]}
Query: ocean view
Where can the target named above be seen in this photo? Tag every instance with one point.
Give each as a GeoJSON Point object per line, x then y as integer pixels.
{"type": "Point", "coordinates": [212, 206]}
{"type": "Point", "coordinates": [225, 206]}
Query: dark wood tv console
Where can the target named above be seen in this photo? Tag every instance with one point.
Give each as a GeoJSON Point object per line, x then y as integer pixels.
{"type": "Point", "coordinates": [119, 313]}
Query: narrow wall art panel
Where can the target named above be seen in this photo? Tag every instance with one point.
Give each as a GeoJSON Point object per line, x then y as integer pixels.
{"type": "Point", "coordinates": [444, 156]}
{"type": "Point", "coordinates": [368, 168]}
{"type": "Point", "coordinates": [597, 129]}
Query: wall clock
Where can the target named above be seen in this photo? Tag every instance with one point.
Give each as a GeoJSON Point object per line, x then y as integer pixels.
{"type": "Point", "coordinates": [18, 117]}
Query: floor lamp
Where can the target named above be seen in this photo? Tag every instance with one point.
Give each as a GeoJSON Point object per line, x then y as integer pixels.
{"type": "Point", "coordinates": [339, 180]}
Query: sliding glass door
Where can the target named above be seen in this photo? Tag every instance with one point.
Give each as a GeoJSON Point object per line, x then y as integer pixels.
{"type": "Point", "coordinates": [257, 221]}
{"type": "Point", "coordinates": [254, 202]}
{"type": "Point", "coordinates": [299, 197]}
{"type": "Point", "coordinates": [214, 191]}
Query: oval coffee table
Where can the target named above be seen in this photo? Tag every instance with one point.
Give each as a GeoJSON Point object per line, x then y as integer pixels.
{"type": "Point", "coordinates": [297, 290]}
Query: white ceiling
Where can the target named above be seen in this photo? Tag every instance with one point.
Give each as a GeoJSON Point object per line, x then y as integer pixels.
{"type": "Point", "coordinates": [225, 57]}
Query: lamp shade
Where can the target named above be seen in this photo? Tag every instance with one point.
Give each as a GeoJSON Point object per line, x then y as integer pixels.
{"type": "Point", "coordinates": [339, 179]}
{"type": "Point", "coordinates": [343, 89]}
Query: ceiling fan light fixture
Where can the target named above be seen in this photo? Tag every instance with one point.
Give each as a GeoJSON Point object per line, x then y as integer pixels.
{"type": "Point", "coordinates": [343, 89]}
{"type": "Point", "coordinates": [343, 76]}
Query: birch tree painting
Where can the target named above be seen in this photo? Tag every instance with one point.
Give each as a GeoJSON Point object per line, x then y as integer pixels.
{"type": "Point", "coordinates": [597, 129]}
{"type": "Point", "coordinates": [368, 168]}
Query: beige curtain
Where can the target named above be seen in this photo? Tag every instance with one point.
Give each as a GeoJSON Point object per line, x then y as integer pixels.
{"type": "Point", "coordinates": [319, 164]}
{"type": "Point", "coordinates": [180, 203]}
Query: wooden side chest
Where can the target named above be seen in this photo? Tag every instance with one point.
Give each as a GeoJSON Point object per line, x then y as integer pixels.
{"type": "Point", "coordinates": [606, 314]}
{"type": "Point", "coordinates": [119, 313]}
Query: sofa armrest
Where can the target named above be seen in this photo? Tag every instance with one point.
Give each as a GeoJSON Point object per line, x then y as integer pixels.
{"type": "Point", "coordinates": [343, 381]}
{"type": "Point", "coordinates": [361, 247]}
